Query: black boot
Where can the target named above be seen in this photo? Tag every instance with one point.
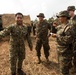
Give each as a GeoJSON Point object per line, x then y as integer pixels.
{"type": "Point", "coordinates": [20, 72]}
{"type": "Point", "coordinates": [47, 59]}
{"type": "Point", "coordinates": [13, 73]}
{"type": "Point", "coordinates": [39, 60]}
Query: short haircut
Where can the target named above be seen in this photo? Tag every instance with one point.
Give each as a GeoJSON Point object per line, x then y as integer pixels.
{"type": "Point", "coordinates": [18, 14]}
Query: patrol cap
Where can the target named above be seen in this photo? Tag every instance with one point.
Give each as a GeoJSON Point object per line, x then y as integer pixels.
{"type": "Point", "coordinates": [63, 14]}
{"type": "Point", "coordinates": [41, 15]}
{"type": "Point", "coordinates": [71, 8]}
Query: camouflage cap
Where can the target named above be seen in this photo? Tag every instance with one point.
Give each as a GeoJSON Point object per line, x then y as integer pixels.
{"type": "Point", "coordinates": [41, 15]}
{"type": "Point", "coordinates": [71, 8]}
{"type": "Point", "coordinates": [63, 14]}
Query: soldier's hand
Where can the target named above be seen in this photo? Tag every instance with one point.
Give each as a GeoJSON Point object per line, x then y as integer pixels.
{"type": "Point", "coordinates": [50, 35]}
{"type": "Point", "coordinates": [53, 35]}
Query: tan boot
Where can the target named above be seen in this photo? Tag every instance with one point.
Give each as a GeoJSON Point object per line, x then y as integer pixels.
{"type": "Point", "coordinates": [21, 72]}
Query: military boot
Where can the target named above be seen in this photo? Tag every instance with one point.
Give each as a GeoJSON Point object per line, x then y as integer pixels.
{"type": "Point", "coordinates": [20, 72]}
{"type": "Point", "coordinates": [47, 59]}
{"type": "Point", "coordinates": [64, 74]}
{"type": "Point", "coordinates": [39, 60]}
{"type": "Point", "coordinates": [13, 74]}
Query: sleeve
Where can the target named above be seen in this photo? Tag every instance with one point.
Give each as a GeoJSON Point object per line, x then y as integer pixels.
{"type": "Point", "coordinates": [5, 32]}
{"type": "Point", "coordinates": [29, 41]}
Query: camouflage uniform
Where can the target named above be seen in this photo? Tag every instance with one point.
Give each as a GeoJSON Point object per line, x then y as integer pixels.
{"type": "Point", "coordinates": [42, 38]}
{"type": "Point", "coordinates": [17, 46]}
{"type": "Point", "coordinates": [72, 21]}
{"type": "Point", "coordinates": [64, 42]}
{"type": "Point", "coordinates": [74, 46]}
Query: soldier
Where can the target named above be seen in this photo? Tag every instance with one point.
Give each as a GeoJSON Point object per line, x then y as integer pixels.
{"type": "Point", "coordinates": [34, 27]}
{"type": "Point", "coordinates": [1, 28]}
{"type": "Point", "coordinates": [42, 37]}
{"type": "Point", "coordinates": [64, 40]}
{"type": "Point", "coordinates": [18, 33]}
{"type": "Point", "coordinates": [53, 28]}
{"type": "Point", "coordinates": [71, 10]}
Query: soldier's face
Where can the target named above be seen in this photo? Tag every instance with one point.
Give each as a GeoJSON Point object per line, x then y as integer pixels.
{"type": "Point", "coordinates": [62, 19]}
{"type": "Point", "coordinates": [71, 13]}
{"type": "Point", "coordinates": [19, 19]}
{"type": "Point", "coordinates": [41, 19]}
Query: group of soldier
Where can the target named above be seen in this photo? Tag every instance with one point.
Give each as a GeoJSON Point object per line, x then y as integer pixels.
{"type": "Point", "coordinates": [66, 43]}
{"type": "Point", "coordinates": [65, 36]}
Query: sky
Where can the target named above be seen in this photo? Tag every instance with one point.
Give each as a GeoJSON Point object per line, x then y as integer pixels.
{"type": "Point", "coordinates": [34, 7]}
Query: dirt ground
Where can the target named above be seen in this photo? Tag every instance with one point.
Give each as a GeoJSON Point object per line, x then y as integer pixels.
{"type": "Point", "coordinates": [30, 65]}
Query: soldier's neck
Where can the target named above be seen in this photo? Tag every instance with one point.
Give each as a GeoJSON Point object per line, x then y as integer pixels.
{"type": "Point", "coordinates": [41, 21]}
{"type": "Point", "coordinates": [20, 25]}
{"type": "Point", "coordinates": [65, 22]}
{"type": "Point", "coordinates": [72, 16]}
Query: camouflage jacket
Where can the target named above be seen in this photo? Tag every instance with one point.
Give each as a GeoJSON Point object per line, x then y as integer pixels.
{"type": "Point", "coordinates": [74, 36]}
{"type": "Point", "coordinates": [73, 22]}
{"type": "Point", "coordinates": [65, 38]}
{"type": "Point", "coordinates": [42, 29]}
{"type": "Point", "coordinates": [74, 18]}
{"type": "Point", "coordinates": [17, 35]}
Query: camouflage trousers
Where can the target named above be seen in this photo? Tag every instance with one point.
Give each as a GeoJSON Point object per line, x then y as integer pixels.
{"type": "Point", "coordinates": [16, 59]}
{"type": "Point", "coordinates": [46, 47]}
{"type": "Point", "coordinates": [65, 64]}
{"type": "Point", "coordinates": [74, 59]}
{"type": "Point", "coordinates": [74, 53]}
